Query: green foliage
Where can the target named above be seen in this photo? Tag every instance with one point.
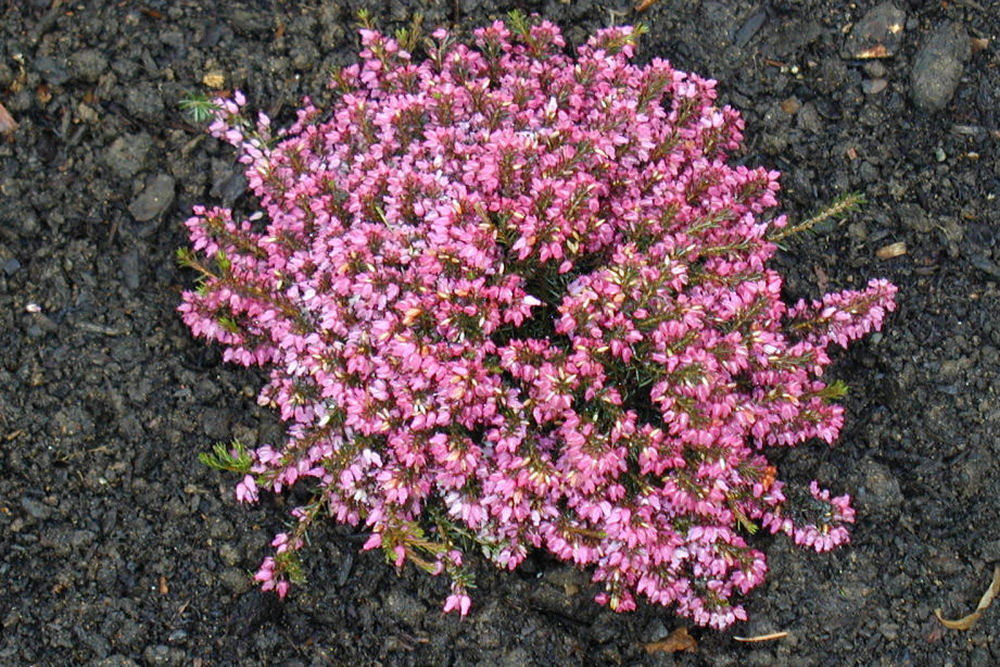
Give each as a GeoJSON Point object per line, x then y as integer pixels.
{"type": "Point", "coordinates": [229, 324]}
{"type": "Point", "coordinates": [199, 106]}
{"type": "Point", "coordinates": [223, 261]}
{"type": "Point", "coordinates": [185, 257]}
{"type": "Point", "coordinates": [835, 390]}
{"type": "Point", "coordinates": [519, 24]}
{"type": "Point", "coordinates": [233, 457]}
{"type": "Point", "coordinates": [290, 563]}
{"type": "Point", "coordinates": [409, 37]}
{"type": "Point", "coordinates": [847, 203]}
{"type": "Point", "coordinates": [365, 19]}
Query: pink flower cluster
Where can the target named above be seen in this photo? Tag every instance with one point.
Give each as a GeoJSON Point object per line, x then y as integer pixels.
{"type": "Point", "coordinates": [512, 299]}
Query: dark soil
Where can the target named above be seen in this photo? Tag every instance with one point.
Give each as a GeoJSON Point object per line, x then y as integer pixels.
{"type": "Point", "coordinates": [119, 548]}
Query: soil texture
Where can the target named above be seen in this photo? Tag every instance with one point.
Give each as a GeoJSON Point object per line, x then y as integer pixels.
{"type": "Point", "coordinates": [119, 548]}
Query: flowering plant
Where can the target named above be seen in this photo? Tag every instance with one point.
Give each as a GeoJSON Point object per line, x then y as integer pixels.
{"type": "Point", "coordinates": [514, 299]}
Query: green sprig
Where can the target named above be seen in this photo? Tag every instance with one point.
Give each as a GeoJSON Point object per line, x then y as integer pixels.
{"type": "Point", "coordinates": [233, 457]}
{"type": "Point", "coordinates": [852, 201]}
{"type": "Point", "coordinates": [199, 106]}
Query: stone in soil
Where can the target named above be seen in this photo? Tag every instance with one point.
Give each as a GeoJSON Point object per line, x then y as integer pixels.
{"type": "Point", "coordinates": [156, 198]}
{"type": "Point", "coordinates": [127, 154]}
{"type": "Point", "coordinates": [938, 66]}
{"type": "Point", "coordinates": [877, 35]}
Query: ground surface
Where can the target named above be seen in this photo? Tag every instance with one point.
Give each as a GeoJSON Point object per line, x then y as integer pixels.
{"type": "Point", "coordinates": [119, 548]}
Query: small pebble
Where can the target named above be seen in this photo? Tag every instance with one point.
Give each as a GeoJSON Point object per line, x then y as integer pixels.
{"type": "Point", "coordinates": [130, 264]}
{"type": "Point", "coordinates": [156, 198]}
{"type": "Point", "coordinates": [878, 494]}
{"type": "Point", "coordinates": [52, 70]}
{"type": "Point", "coordinates": [36, 509]}
{"type": "Point", "coordinates": [88, 65]}
{"type": "Point", "coordinates": [937, 68]}
{"type": "Point", "coordinates": [127, 154]}
{"type": "Point", "coordinates": [874, 69]}
{"type": "Point", "coordinates": [873, 86]}
{"type": "Point", "coordinates": [177, 636]}
{"type": "Point", "coordinates": [877, 35]}
{"type": "Point", "coordinates": [808, 118]}
{"type": "Point", "coordinates": [791, 106]}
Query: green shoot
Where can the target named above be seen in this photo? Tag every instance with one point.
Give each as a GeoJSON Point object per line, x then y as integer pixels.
{"type": "Point", "coordinates": [199, 106]}
{"type": "Point", "coordinates": [852, 201]}
{"type": "Point", "coordinates": [233, 457]}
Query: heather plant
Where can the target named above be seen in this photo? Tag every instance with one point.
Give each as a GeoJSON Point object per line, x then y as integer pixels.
{"type": "Point", "coordinates": [514, 299]}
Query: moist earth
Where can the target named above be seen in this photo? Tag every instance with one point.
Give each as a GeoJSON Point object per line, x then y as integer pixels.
{"type": "Point", "coordinates": [119, 548]}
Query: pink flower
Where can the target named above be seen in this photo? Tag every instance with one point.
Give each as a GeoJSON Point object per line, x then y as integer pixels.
{"type": "Point", "coordinates": [458, 602]}
{"type": "Point", "coordinates": [518, 298]}
{"type": "Point", "coordinates": [246, 491]}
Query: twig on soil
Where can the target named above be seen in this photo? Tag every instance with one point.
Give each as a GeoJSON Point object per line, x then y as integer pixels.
{"type": "Point", "coordinates": [843, 204]}
{"type": "Point", "coordinates": [763, 638]}
{"type": "Point", "coordinates": [967, 622]}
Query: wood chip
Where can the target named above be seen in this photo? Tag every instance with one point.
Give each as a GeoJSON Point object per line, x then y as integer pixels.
{"type": "Point", "coordinates": [891, 250]}
{"type": "Point", "coordinates": [7, 122]}
{"type": "Point", "coordinates": [678, 640]}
